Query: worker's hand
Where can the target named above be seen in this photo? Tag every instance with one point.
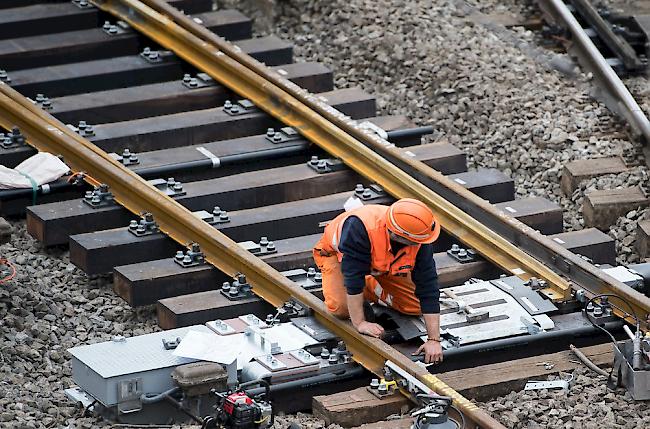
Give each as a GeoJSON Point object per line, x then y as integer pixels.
{"type": "Point", "coordinates": [372, 329]}
{"type": "Point", "coordinates": [432, 352]}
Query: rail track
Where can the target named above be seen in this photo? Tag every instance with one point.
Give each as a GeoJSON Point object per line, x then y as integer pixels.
{"type": "Point", "coordinates": [170, 98]}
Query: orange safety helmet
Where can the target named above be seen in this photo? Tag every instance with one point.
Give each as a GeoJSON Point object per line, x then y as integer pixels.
{"type": "Point", "coordinates": [413, 220]}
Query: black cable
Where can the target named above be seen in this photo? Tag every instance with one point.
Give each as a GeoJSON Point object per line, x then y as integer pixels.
{"type": "Point", "coordinates": [462, 416]}
{"type": "Point", "coordinates": [632, 313]}
{"type": "Point", "coordinates": [614, 342]}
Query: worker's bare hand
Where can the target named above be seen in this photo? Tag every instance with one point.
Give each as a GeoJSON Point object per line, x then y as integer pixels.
{"type": "Point", "coordinates": [432, 352]}
{"type": "Point", "coordinates": [372, 329]}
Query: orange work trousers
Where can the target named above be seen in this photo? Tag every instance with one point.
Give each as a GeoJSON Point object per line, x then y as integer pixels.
{"type": "Point", "coordinates": [396, 292]}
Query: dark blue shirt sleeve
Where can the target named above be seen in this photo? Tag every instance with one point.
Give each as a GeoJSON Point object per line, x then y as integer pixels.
{"type": "Point", "coordinates": [355, 247]}
{"type": "Point", "coordinates": [425, 278]}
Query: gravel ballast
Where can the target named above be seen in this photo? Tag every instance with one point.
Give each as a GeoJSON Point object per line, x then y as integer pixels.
{"type": "Point", "coordinates": [494, 92]}
{"type": "Point", "coordinates": [47, 308]}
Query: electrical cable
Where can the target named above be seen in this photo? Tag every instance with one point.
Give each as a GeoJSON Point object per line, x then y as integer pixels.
{"type": "Point", "coordinates": [613, 340]}
{"type": "Point", "coordinates": [585, 360]}
{"type": "Point", "coordinates": [632, 313]}
{"type": "Point", "coordinates": [462, 416]}
{"type": "Point", "coordinates": [11, 267]}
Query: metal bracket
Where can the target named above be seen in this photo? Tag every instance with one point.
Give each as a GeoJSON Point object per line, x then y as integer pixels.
{"type": "Point", "coordinates": [369, 126]}
{"type": "Point", "coordinates": [83, 129]}
{"type": "Point", "coordinates": [310, 279]}
{"type": "Point", "coordinates": [42, 101]}
{"type": "Point", "coordinates": [201, 80]}
{"type": "Point", "coordinates": [253, 320]}
{"type": "Point", "coordinates": [462, 255]}
{"type": "Point", "coordinates": [372, 192]}
{"type": "Point", "coordinates": [12, 139]}
{"type": "Point", "coordinates": [241, 107]}
{"type": "Point", "coordinates": [311, 327]}
{"type": "Point", "coordinates": [270, 362]}
{"type": "Point", "coordinates": [221, 327]}
{"type": "Point", "coordinates": [304, 356]}
{"type": "Point", "coordinates": [99, 197]}
{"type": "Point", "coordinates": [171, 344]}
{"type": "Point", "coordinates": [382, 388]}
{"type": "Point", "coordinates": [4, 77]}
{"type": "Point", "coordinates": [169, 187]}
{"type": "Point", "coordinates": [217, 216]}
{"type": "Point", "coordinates": [145, 226]}
{"type": "Point", "coordinates": [128, 396]}
{"type": "Point", "coordinates": [237, 290]}
{"type": "Point", "coordinates": [551, 384]}
{"type": "Point", "coordinates": [126, 159]}
{"type": "Point", "coordinates": [531, 327]}
{"type": "Point", "coordinates": [120, 27]}
{"type": "Point", "coordinates": [326, 165]}
{"type": "Point", "coordinates": [82, 4]}
{"type": "Point", "coordinates": [408, 381]}
{"type": "Point", "coordinates": [264, 247]}
{"type": "Point", "coordinates": [284, 135]}
{"type": "Point", "coordinates": [600, 313]}
{"type": "Point", "coordinates": [151, 56]}
{"type": "Point", "coordinates": [289, 310]}
{"type": "Point", "coordinates": [191, 257]}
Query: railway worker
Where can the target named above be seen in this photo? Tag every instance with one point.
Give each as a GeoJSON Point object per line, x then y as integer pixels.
{"type": "Point", "coordinates": [383, 254]}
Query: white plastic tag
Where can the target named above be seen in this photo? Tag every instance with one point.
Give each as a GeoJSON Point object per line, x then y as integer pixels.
{"type": "Point", "coordinates": [352, 203]}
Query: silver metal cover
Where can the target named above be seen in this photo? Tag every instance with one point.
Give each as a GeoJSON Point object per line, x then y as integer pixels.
{"type": "Point", "coordinates": [99, 368]}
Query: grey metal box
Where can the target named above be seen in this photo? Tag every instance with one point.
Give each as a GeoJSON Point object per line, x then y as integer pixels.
{"type": "Point", "coordinates": [99, 368]}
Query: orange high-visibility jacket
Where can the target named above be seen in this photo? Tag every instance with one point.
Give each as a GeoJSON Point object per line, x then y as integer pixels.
{"type": "Point", "coordinates": [382, 261]}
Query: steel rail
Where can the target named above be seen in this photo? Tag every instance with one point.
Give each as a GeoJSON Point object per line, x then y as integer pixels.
{"type": "Point", "coordinates": [590, 57]}
{"type": "Point", "coordinates": [241, 73]}
{"type": "Point", "coordinates": [46, 133]}
{"type": "Point", "coordinates": [497, 236]}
